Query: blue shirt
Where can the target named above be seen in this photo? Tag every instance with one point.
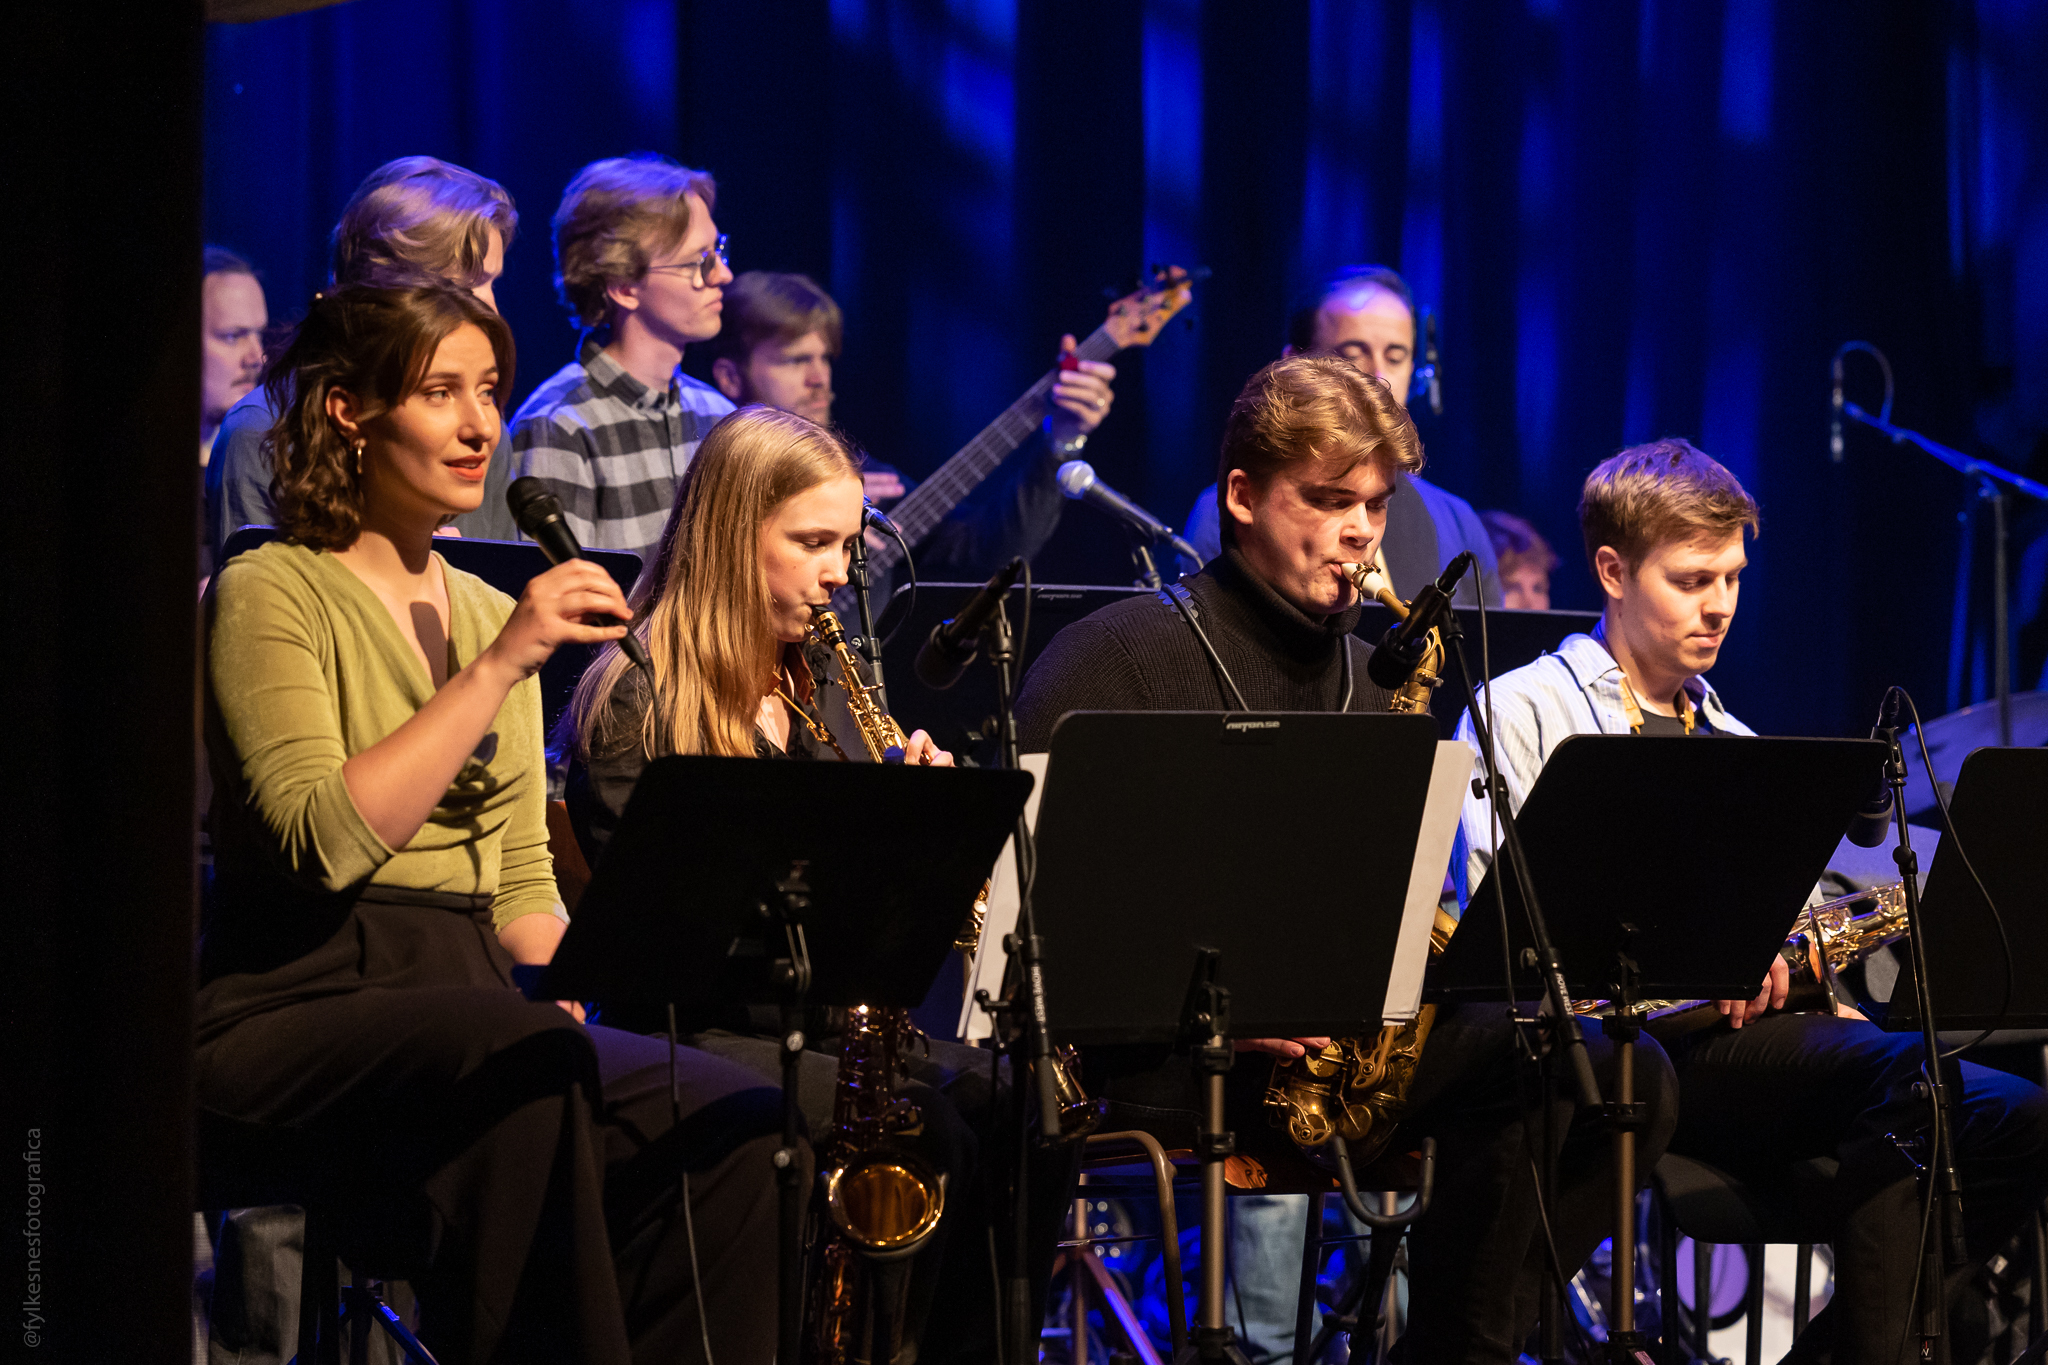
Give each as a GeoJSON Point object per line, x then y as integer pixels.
{"type": "Point", "coordinates": [1576, 691]}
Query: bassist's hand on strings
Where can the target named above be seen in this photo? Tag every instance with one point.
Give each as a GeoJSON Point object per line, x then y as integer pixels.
{"type": "Point", "coordinates": [1771, 997]}
{"type": "Point", "coordinates": [1080, 396]}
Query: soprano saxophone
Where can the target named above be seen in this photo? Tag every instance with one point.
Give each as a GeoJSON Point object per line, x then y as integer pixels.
{"type": "Point", "coordinates": [885, 743]}
{"type": "Point", "coordinates": [1357, 1088]}
{"type": "Point", "coordinates": [883, 737]}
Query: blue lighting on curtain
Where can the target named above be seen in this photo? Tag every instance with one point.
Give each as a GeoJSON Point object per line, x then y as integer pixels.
{"type": "Point", "coordinates": [1173, 197]}
{"type": "Point", "coordinates": [647, 43]}
{"type": "Point", "coordinates": [1746, 70]}
{"type": "Point", "coordinates": [1337, 197]}
{"type": "Point", "coordinates": [1422, 211]}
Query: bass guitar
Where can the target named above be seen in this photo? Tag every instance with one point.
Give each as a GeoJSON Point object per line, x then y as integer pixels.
{"type": "Point", "coordinates": [1134, 320]}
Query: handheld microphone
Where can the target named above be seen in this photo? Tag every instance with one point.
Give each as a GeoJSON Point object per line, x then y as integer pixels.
{"type": "Point", "coordinates": [1400, 652]}
{"type": "Point", "coordinates": [1873, 819]}
{"type": "Point", "coordinates": [1077, 480]}
{"type": "Point", "coordinates": [1835, 418]}
{"type": "Point", "coordinates": [539, 514]}
{"type": "Point", "coordinates": [953, 644]}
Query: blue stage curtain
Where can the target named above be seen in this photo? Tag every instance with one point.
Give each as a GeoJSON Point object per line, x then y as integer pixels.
{"type": "Point", "coordinates": [1632, 220]}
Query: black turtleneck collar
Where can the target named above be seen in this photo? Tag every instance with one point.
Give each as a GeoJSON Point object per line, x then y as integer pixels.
{"type": "Point", "coordinates": [1303, 636]}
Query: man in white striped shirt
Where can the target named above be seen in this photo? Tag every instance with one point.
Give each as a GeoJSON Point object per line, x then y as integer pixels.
{"type": "Point", "coordinates": [641, 266]}
{"type": "Point", "coordinates": [1664, 528]}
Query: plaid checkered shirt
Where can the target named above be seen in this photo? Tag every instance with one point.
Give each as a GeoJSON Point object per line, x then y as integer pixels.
{"type": "Point", "coordinates": [611, 448]}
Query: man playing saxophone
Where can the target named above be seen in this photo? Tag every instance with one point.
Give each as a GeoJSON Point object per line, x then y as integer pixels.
{"type": "Point", "coordinates": [1310, 452]}
{"type": "Point", "coordinates": [1664, 530]}
{"type": "Point", "coordinates": [730, 613]}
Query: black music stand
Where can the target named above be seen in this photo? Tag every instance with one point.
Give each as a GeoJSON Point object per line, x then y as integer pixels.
{"type": "Point", "coordinates": [734, 881]}
{"type": "Point", "coordinates": [1996, 808]}
{"type": "Point", "coordinates": [1167, 839]}
{"type": "Point", "coordinates": [1667, 867]}
{"type": "Point", "coordinates": [959, 717]}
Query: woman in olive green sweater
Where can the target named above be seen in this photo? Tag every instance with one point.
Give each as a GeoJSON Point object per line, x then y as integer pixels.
{"type": "Point", "coordinates": [373, 727]}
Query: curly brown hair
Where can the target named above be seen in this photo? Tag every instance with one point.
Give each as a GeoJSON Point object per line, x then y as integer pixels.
{"type": "Point", "coordinates": [377, 344]}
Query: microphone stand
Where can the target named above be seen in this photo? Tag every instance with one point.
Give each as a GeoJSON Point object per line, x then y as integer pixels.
{"type": "Point", "coordinates": [1992, 481]}
{"type": "Point", "coordinates": [1021, 1018]}
{"type": "Point", "coordinates": [1939, 1181]}
{"type": "Point", "coordinates": [1625, 1114]}
{"type": "Point", "coordinates": [857, 573]}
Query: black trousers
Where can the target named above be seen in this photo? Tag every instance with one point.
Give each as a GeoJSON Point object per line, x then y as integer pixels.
{"type": "Point", "coordinates": [1790, 1087]}
{"type": "Point", "coordinates": [398, 1058]}
{"type": "Point", "coordinates": [1476, 1258]}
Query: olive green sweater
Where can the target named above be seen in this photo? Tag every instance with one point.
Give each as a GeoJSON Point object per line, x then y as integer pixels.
{"type": "Point", "coordinates": [305, 668]}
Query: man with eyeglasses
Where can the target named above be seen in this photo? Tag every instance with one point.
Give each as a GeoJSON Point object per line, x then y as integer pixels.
{"type": "Point", "coordinates": [640, 265]}
{"type": "Point", "coordinates": [1366, 314]}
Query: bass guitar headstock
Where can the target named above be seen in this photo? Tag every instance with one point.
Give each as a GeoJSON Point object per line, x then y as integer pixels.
{"type": "Point", "coordinates": [1139, 316]}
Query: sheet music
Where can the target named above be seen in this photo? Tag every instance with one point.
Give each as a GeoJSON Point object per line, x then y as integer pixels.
{"type": "Point", "coordinates": [989, 957]}
{"type": "Point", "coordinates": [1449, 779]}
{"type": "Point", "coordinates": [1447, 786]}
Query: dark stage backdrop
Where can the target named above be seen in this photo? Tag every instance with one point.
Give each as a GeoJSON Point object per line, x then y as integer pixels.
{"type": "Point", "coordinates": [1633, 220]}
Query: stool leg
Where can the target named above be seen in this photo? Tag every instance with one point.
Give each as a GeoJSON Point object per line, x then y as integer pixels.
{"type": "Point", "coordinates": [1672, 1341]}
{"type": "Point", "coordinates": [1753, 1305]}
{"type": "Point", "coordinates": [1802, 1288]}
{"type": "Point", "coordinates": [1702, 1297]}
{"type": "Point", "coordinates": [1311, 1259]}
{"type": "Point", "coordinates": [1078, 1272]}
{"type": "Point", "coordinates": [2040, 1285]}
{"type": "Point", "coordinates": [319, 1288]}
{"type": "Point", "coordinates": [355, 1314]}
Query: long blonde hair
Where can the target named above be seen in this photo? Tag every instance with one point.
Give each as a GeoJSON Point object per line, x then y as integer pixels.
{"type": "Point", "coordinates": [702, 607]}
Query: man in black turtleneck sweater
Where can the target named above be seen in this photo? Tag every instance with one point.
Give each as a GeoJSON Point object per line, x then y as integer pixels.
{"type": "Point", "coordinates": [1310, 453]}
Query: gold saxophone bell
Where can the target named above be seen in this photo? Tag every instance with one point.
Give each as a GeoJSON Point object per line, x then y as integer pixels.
{"type": "Point", "coordinates": [882, 1200]}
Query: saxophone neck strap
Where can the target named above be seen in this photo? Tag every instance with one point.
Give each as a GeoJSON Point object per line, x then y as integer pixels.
{"type": "Point", "coordinates": [1176, 598]}
{"type": "Point", "coordinates": [1631, 709]}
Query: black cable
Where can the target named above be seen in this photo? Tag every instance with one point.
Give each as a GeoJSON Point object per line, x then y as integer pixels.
{"type": "Point", "coordinates": [1495, 789]}
{"type": "Point", "coordinates": [1949, 828]}
{"type": "Point", "coordinates": [1884, 413]}
{"type": "Point", "coordinates": [909, 567]}
{"type": "Point", "coordinates": [1024, 632]}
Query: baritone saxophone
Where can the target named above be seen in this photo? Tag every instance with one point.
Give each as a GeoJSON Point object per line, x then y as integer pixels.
{"type": "Point", "coordinates": [1357, 1088]}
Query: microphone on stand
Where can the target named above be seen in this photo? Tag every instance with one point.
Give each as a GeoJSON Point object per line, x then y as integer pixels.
{"type": "Point", "coordinates": [539, 515]}
{"type": "Point", "coordinates": [953, 644]}
{"type": "Point", "coordinates": [1872, 823]}
{"type": "Point", "coordinates": [1431, 372]}
{"type": "Point", "coordinates": [1399, 653]}
{"type": "Point", "coordinates": [1077, 480]}
{"type": "Point", "coordinates": [1835, 419]}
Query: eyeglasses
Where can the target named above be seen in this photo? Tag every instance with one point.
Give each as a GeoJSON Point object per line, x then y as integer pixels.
{"type": "Point", "coordinates": [713, 259]}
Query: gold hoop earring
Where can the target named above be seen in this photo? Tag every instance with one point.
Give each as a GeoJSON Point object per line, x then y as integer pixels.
{"type": "Point", "coordinates": [360, 443]}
